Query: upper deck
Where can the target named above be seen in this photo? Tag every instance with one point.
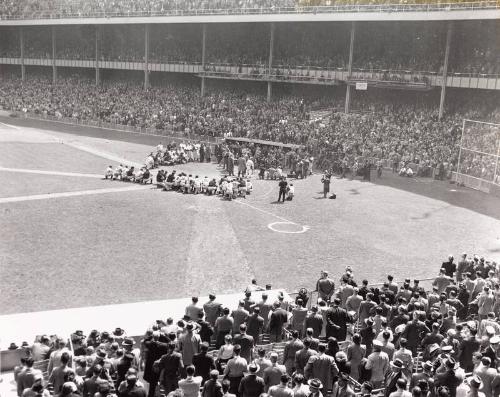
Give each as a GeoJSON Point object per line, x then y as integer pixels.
{"type": "Point", "coordinates": [346, 12]}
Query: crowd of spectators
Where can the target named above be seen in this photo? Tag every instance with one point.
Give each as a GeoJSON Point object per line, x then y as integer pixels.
{"type": "Point", "coordinates": [400, 340]}
{"type": "Point", "coordinates": [383, 126]}
{"type": "Point", "coordinates": [25, 9]}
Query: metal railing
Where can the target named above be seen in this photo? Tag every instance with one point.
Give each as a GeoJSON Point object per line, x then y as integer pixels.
{"type": "Point", "coordinates": [62, 12]}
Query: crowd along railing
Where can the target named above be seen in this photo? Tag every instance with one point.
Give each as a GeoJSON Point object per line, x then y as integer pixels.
{"type": "Point", "coordinates": [66, 10]}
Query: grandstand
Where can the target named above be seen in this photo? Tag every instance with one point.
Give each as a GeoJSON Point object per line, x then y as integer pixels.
{"type": "Point", "coordinates": [293, 85]}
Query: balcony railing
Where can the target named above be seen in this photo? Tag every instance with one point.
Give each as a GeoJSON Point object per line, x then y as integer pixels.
{"type": "Point", "coordinates": [59, 13]}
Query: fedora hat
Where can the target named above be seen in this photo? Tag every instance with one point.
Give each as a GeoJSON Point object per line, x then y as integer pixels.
{"type": "Point", "coordinates": [315, 383]}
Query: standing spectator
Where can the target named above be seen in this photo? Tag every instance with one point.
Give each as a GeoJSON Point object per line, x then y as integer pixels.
{"type": "Point", "coordinates": [468, 347]}
{"type": "Point", "coordinates": [291, 348]}
{"type": "Point", "coordinates": [378, 363]}
{"type": "Point", "coordinates": [255, 325]}
{"type": "Point", "coordinates": [41, 349]}
{"type": "Point", "coordinates": [212, 387]}
{"type": "Point", "coordinates": [193, 310]}
{"type": "Point", "coordinates": [240, 316]}
{"type": "Point", "coordinates": [246, 343]}
{"type": "Point", "coordinates": [171, 366]}
{"type": "Point", "coordinates": [132, 388]}
{"type": "Point", "coordinates": [55, 356]}
{"type": "Point", "coordinates": [302, 356]}
{"type": "Point", "coordinates": [449, 267]}
{"type": "Point", "coordinates": [277, 322]}
{"type": "Point", "coordinates": [355, 354]}
{"type": "Point", "coordinates": [450, 378]}
{"type": "Point", "coordinates": [272, 374]}
{"type": "Point", "coordinates": [213, 310]}
{"type": "Point", "coordinates": [205, 331]}
{"type": "Point", "coordinates": [401, 389]}
{"type": "Point", "coordinates": [156, 348]}
{"type": "Point", "coordinates": [262, 362]}
{"type": "Point", "coordinates": [299, 314]}
{"type": "Point", "coordinates": [203, 363]}
{"type": "Point", "coordinates": [325, 287]}
{"type": "Point", "coordinates": [394, 376]}
{"type": "Point", "coordinates": [413, 333]}
{"type": "Point", "coordinates": [322, 367]}
{"type": "Point", "coordinates": [252, 385]}
{"type": "Point", "coordinates": [265, 309]}
{"type": "Point", "coordinates": [189, 345]}
{"type": "Point", "coordinates": [191, 385]}
{"type": "Point", "coordinates": [337, 319]}
{"type": "Point", "coordinates": [26, 378]}
{"type": "Point", "coordinates": [282, 189]}
{"type": "Point", "coordinates": [442, 281]}
{"type": "Point", "coordinates": [282, 389]}
{"type": "Point", "coordinates": [313, 320]}
{"type": "Point", "coordinates": [36, 389]}
{"type": "Point", "coordinates": [235, 369]}
{"type": "Point", "coordinates": [56, 378]}
{"type": "Point", "coordinates": [223, 327]}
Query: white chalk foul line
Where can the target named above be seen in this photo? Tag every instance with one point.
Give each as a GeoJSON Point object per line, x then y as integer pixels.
{"type": "Point", "coordinates": [57, 173]}
{"type": "Point", "coordinates": [271, 226]}
{"type": "Point", "coordinates": [71, 194]}
{"type": "Point", "coordinates": [102, 154]}
{"type": "Point", "coordinates": [11, 126]}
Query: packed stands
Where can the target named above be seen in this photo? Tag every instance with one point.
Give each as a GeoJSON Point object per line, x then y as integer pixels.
{"type": "Point", "coordinates": [31, 9]}
{"type": "Point", "coordinates": [349, 336]}
{"type": "Point", "coordinates": [384, 125]}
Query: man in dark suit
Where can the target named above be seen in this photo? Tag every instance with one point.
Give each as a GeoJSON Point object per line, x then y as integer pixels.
{"type": "Point", "coordinates": [203, 364]}
{"type": "Point", "coordinates": [392, 377]}
{"type": "Point", "coordinates": [282, 185]}
{"type": "Point", "coordinates": [467, 348]}
{"type": "Point", "coordinates": [337, 319]}
{"type": "Point", "coordinates": [206, 330]}
{"type": "Point", "coordinates": [157, 346]}
{"type": "Point", "coordinates": [279, 318]}
{"type": "Point", "coordinates": [246, 342]}
{"type": "Point", "coordinates": [172, 366]}
{"type": "Point", "coordinates": [255, 325]}
{"type": "Point", "coordinates": [212, 387]}
{"type": "Point", "coordinates": [314, 320]}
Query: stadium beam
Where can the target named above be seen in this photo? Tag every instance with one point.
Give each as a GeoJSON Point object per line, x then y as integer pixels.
{"type": "Point", "coordinates": [54, 67]}
{"type": "Point", "coordinates": [442, 99]}
{"type": "Point", "coordinates": [349, 68]}
{"type": "Point", "coordinates": [271, 51]}
{"type": "Point", "coordinates": [146, 56]}
{"type": "Point", "coordinates": [97, 54]}
{"type": "Point", "coordinates": [21, 42]}
{"type": "Point", "coordinates": [203, 56]}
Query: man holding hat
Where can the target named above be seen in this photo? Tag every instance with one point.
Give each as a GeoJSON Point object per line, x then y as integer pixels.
{"type": "Point", "coordinates": [325, 286]}
{"type": "Point", "coordinates": [251, 385]}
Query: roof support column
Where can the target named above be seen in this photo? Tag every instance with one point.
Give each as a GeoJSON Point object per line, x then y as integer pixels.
{"type": "Point", "coordinates": [270, 65]}
{"type": "Point", "coordinates": [146, 57]}
{"type": "Point", "coordinates": [21, 42]}
{"type": "Point", "coordinates": [203, 57]}
{"type": "Point", "coordinates": [449, 35]}
{"type": "Point", "coordinates": [54, 67]}
{"type": "Point", "coordinates": [349, 68]}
